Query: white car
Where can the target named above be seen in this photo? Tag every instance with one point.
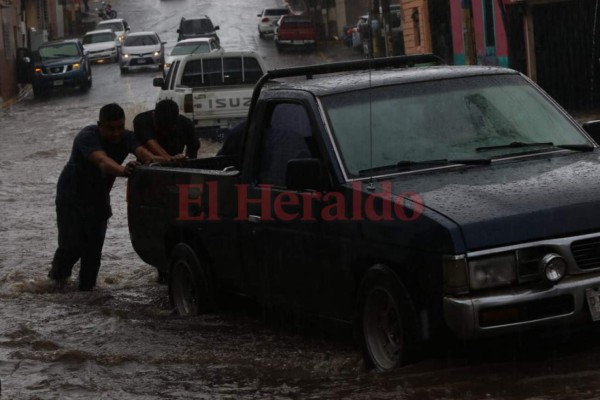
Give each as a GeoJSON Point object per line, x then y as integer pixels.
{"type": "Point", "coordinates": [268, 19]}
{"type": "Point", "coordinates": [118, 25]}
{"type": "Point", "coordinates": [101, 45]}
{"type": "Point", "coordinates": [142, 49]}
{"type": "Point", "coordinates": [191, 46]}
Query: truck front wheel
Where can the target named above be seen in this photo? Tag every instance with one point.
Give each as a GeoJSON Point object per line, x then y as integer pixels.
{"type": "Point", "coordinates": [190, 284]}
{"type": "Point", "coordinates": [386, 319]}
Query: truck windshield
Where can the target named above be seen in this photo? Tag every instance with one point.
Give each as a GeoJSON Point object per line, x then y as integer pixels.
{"type": "Point", "coordinates": [445, 119]}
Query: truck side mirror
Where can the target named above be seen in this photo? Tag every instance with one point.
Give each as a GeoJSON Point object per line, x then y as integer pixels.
{"type": "Point", "coordinates": [159, 82]}
{"type": "Point", "coordinates": [304, 174]}
{"type": "Point", "coordinates": [593, 129]}
{"type": "Point", "coordinates": [217, 28]}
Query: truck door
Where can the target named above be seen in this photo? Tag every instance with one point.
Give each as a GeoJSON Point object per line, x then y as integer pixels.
{"type": "Point", "coordinates": [280, 238]}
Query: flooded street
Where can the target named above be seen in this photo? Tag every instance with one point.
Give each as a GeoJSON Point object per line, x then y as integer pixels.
{"type": "Point", "coordinates": [123, 341]}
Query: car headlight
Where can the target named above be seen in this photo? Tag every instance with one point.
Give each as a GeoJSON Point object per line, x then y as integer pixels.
{"type": "Point", "coordinates": [167, 65]}
{"type": "Point", "coordinates": [156, 53]}
{"type": "Point", "coordinates": [121, 38]}
{"type": "Point", "coordinates": [76, 66]}
{"type": "Point", "coordinates": [125, 55]}
{"type": "Point", "coordinates": [492, 271]}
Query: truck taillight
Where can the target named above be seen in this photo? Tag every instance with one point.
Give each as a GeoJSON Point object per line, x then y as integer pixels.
{"type": "Point", "coordinates": [188, 105]}
{"type": "Point", "coordinates": [265, 19]}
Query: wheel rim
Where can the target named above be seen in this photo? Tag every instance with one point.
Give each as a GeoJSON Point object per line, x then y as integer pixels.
{"type": "Point", "coordinates": [185, 293]}
{"type": "Point", "coordinates": [382, 325]}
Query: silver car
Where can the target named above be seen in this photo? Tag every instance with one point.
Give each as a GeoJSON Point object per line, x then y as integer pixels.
{"type": "Point", "coordinates": [142, 49]}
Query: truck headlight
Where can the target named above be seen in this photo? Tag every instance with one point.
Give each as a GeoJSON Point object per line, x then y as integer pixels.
{"type": "Point", "coordinates": [156, 53]}
{"type": "Point", "coordinates": [125, 55]}
{"type": "Point", "coordinates": [492, 271]}
{"type": "Point", "coordinates": [76, 66]}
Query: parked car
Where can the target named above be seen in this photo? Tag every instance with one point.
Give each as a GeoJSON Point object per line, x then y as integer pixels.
{"type": "Point", "coordinates": [191, 46]}
{"type": "Point", "coordinates": [101, 45]}
{"type": "Point", "coordinates": [196, 27]}
{"type": "Point", "coordinates": [59, 64]}
{"type": "Point", "coordinates": [295, 31]}
{"type": "Point", "coordinates": [268, 19]}
{"type": "Point", "coordinates": [118, 25]}
{"type": "Point", "coordinates": [142, 49]}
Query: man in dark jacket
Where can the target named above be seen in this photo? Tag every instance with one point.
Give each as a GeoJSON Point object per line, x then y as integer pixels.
{"type": "Point", "coordinates": [165, 133]}
{"type": "Point", "coordinates": [83, 193]}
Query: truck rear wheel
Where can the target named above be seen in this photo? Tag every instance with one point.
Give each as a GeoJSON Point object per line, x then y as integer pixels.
{"type": "Point", "coordinates": [190, 284]}
{"type": "Point", "coordinates": [386, 319]}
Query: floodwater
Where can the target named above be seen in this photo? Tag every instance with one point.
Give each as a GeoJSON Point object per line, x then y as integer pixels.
{"type": "Point", "coordinates": [123, 341]}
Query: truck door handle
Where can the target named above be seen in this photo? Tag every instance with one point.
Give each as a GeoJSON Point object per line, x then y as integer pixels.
{"type": "Point", "coordinates": [253, 218]}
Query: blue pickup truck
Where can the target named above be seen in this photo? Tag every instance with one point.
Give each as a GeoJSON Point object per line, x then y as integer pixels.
{"type": "Point", "coordinates": [398, 196]}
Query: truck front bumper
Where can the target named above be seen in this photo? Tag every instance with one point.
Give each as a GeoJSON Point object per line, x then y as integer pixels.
{"type": "Point", "coordinates": [518, 309]}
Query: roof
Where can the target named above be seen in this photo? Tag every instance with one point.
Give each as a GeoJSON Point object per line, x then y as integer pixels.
{"type": "Point", "coordinates": [55, 42]}
{"type": "Point", "coordinates": [196, 17]}
{"type": "Point", "coordinates": [98, 31]}
{"type": "Point", "coordinates": [196, 40]}
{"type": "Point", "coordinates": [326, 84]}
{"type": "Point", "coordinates": [106, 21]}
{"type": "Point", "coordinates": [143, 33]}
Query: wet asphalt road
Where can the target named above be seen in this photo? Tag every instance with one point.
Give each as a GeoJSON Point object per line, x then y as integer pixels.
{"type": "Point", "coordinates": [122, 341]}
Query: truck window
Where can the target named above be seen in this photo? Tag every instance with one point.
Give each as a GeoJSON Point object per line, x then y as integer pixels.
{"type": "Point", "coordinates": [221, 71]}
{"type": "Point", "coordinates": [285, 138]}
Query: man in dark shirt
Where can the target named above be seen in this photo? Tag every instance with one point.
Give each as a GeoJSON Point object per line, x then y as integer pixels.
{"type": "Point", "coordinates": [83, 193]}
{"type": "Point", "coordinates": [165, 133]}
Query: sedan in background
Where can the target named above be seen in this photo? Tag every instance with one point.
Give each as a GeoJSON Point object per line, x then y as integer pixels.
{"type": "Point", "coordinates": [268, 19]}
{"type": "Point", "coordinates": [118, 25]}
{"type": "Point", "coordinates": [142, 49]}
{"type": "Point", "coordinates": [101, 45]}
{"type": "Point", "coordinates": [192, 46]}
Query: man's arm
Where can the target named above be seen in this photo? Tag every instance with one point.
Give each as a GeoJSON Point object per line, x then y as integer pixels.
{"type": "Point", "coordinates": [154, 147]}
{"type": "Point", "coordinates": [107, 164]}
{"type": "Point", "coordinates": [145, 156]}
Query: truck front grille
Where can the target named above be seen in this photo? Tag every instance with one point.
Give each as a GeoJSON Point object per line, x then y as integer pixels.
{"type": "Point", "coordinates": [587, 253]}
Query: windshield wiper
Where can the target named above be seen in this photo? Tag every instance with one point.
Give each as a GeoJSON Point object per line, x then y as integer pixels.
{"type": "Point", "coordinates": [514, 145]}
{"type": "Point", "coordinates": [405, 165]}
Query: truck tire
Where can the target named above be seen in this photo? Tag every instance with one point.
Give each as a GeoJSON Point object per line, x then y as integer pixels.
{"type": "Point", "coordinates": [386, 320]}
{"type": "Point", "coordinates": [190, 285]}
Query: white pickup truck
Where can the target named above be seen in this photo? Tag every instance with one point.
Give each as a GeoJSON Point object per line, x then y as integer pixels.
{"type": "Point", "coordinates": [213, 90]}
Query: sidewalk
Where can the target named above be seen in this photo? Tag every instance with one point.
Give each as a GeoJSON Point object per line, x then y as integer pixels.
{"type": "Point", "coordinates": [24, 91]}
